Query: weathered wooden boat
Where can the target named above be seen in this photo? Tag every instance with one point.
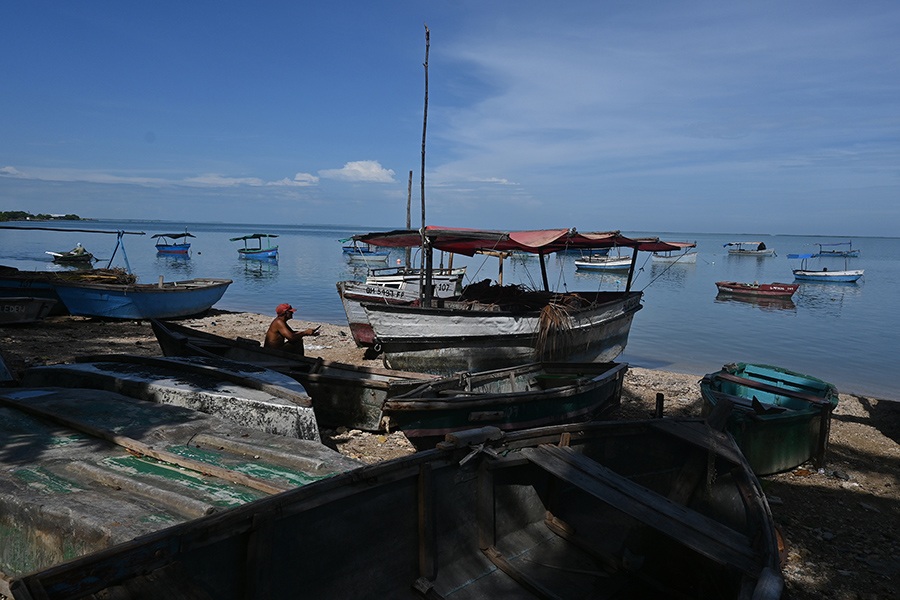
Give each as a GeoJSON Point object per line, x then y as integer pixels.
{"type": "Point", "coordinates": [804, 273]}
{"type": "Point", "coordinates": [493, 326]}
{"type": "Point", "coordinates": [163, 300]}
{"type": "Point", "coordinates": [604, 510]}
{"type": "Point", "coordinates": [519, 397]}
{"type": "Point", "coordinates": [91, 469]}
{"type": "Point", "coordinates": [24, 309]}
{"type": "Point", "coordinates": [248, 395]}
{"type": "Point", "coordinates": [756, 289]}
{"type": "Point", "coordinates": [392, 285]}
{"type": "Point", "coordinates": [837, 249]}
{"type": "Point", "coordinates": [343, 394]}
{"type": "Point", "coordinates": [168, 243]}
{"type": "Point", "coordinates": [780, 418]}
{"type": "Point", "coordinates": [42, 284]}
{"type": "Point", "coordinates": [683, 257]}
{"type": "Point", "coordinates": [749, 249]}
{"type": "Point", "coordinates": [259, 250]}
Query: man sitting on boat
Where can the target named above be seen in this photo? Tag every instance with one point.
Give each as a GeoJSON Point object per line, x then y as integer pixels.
{"type": "Point", "coordinates": [281, 336]}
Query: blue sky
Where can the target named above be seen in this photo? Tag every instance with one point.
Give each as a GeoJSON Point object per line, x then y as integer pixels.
{"type": "Point", "coordinates": [770, 116]}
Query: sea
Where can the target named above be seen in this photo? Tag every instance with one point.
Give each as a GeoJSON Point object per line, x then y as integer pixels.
{"type": "Point", "coordinates": [844, 333]}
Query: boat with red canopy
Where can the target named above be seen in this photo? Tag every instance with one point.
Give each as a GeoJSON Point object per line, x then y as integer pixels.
{"type": "Point", "coordinates": [491, 326]}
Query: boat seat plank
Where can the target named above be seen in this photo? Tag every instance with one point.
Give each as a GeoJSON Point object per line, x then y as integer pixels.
{"type": "Point", "coordinates": [697, 531]}
{"type": "Point", "coordinates": [765, 387]}
{"type": "Point", "coordinates": [782, 376]}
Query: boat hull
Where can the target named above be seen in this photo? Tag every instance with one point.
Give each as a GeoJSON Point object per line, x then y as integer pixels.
{"type": "Point", "coordinates": [548, 509]}
{"type": "Point", "coordinates": [28, 309]}
{"type": "Point", "coordinates": [141, 301]}
{"type": "Point", "coordinates": [683, 259]}
{"type": "Point", "coordinates": [520, 397]}
{"type": "Point", "coordinates": [453, 338]}
{"type": "Point", "coordinates": [758, 290]}
{"type": "Point", "coordinates": [786, 426]}
{"type": "Point", "coordinates": [603, 263]}
{"type": "Point", "coordinates": [173, 249]}
{"type": "Point", "coordinates": [258, 254]}
{"type": "Point", "coordinates": [826, 276]}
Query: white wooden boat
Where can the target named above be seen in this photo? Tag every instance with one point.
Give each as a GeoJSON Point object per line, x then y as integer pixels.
{"type": "Point", "coordinates": [684, 256]}
{"type": "Point", "coordinates": [749, 249]}
{"type": "Point", "coordinates": [601, 262]}
{"type": "Point", "coordinates": [490, 326]}
{"type": "Point", "coordinates": [393, 285]}
{"type": "Point", "coordinates": [825, 275]}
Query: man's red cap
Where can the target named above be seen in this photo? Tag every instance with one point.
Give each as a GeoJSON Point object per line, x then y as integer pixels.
{"type": "Point", "coordinates": [283, 308]}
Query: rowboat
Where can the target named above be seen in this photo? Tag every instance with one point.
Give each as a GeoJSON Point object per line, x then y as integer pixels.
{"type": "Point", "coordinates": [92, 469]}
{"type": "Point", "coordinates": [763, 290]}
{"type": "Point", "coordinates": [519, 397]}
{"type": "Point", "coordinates": [683, 257]}
{"type": "Point", "coordinates": [392, 285]}
{"type": "Point", "coordinates": [640, 509]}
{"type": "Point", "coordinates": [749, 249]}
{"type": "Point", "coordinates": [167, 243]}
{"type": "Point", "coordinates": [170, 299]}
{"type": "Point", "coordinates": [824, 274]}
{"type": "Point", "coordinates": [780, 418]}
{"type": "Point", "coordinates": [250, 396]}
{"type": "Point", "coordinates": [259, 250]}
{"type": "Point", "coordinates": [362, 253]}
{"type": "Point", "coordinates": [492, 326]}
{"type": "Point", "coordinates": [77, 256]}
{"type": "Point", "coordinates": [342, 394]}
{"type": "Point", "coordinates": [42, 284]}
{"type": "Point", "coordinates": [24, 309]}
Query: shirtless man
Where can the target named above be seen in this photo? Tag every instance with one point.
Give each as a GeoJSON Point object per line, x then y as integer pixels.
{"type": "Point", "coordinates": [281, 336]}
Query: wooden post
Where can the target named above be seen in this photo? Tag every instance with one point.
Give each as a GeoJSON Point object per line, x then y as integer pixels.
{"type": "Point", "coordinates": [659, 405]}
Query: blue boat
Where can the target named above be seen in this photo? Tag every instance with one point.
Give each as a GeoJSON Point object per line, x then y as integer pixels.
{"type": "Point", "coordinates": [163, 300]}
{"type": "Point", "coordinates": [167, 243]}
{"type": "Point", "coordinates": [259, 250]}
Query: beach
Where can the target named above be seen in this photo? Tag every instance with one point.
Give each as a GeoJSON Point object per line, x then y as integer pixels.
{"type": "Point", "coordinates": [834, 522]}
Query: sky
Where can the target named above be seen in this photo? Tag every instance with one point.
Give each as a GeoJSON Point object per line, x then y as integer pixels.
{"type": "Point", "coordinates": [694, 116]}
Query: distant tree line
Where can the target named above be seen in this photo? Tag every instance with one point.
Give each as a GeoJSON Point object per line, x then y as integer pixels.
{"type": "Point", "coordinates": [21, 215]}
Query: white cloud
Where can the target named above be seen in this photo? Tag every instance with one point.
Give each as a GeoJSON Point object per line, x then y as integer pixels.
{"type": "Point", "coordinates": [215, 180]}
{"type": "Point", "coordinates": [299, 180]}
{"type": "Point", "coordinates": [360, 171]}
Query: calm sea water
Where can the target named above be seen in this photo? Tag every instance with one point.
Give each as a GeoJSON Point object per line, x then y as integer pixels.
{"type": "Point", "coordinates": [844, 333]}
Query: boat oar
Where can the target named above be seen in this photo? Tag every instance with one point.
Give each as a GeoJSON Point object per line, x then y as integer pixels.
{"type": "Point", "coordinates": [141, 448]}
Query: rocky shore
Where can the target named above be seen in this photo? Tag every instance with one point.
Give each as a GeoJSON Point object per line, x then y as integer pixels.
{"type": "Point", "coordinates": [839, 524]}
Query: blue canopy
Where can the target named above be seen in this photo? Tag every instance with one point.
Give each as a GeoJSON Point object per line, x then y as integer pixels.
{"type": "Point", "coordinates": [801, 255]}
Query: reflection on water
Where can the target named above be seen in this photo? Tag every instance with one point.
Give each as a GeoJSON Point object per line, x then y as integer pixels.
{"type": "Point", "coordinates": [762, 303]}
{"type": "Point", "coordinates": [615, 281]}
{"type": "Point", "coordinates": [179, 264]}
{"type": "Point", "coordinates": [258, 269]}
{"type": "Point", "coordinates": [829, 296]}
{"type": "Point", "coordinates": [673, 273]}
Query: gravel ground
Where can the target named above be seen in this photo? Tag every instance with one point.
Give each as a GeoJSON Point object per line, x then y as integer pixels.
{"type": "Point", "coordinates": [841, 524]}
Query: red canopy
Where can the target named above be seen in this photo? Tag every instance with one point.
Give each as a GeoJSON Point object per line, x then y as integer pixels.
{"type": "Point", "coordinates": [539, 241]}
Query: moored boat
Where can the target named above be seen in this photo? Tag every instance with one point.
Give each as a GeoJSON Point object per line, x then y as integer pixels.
{"type": "Point", "coordinates": [168, 243]}
{"type": "Point", "coordinates": [163, 300]}
{"type": "Point", "coordinates": [684, 256]}
{"type": "Point", "coordinates": [492, 326]}
{"type": "Point", "coordinates": [749, 249]}
{"type": "Point", "coordinates": [837, 249]}
{"type": "Point", "coordinates": [262, 246]}
{"type": "Point", "coordinates": [591, 261]}
{"type": "Point", "coordinates": [804, 273]}
{"type": "Point", "coordinates": [780, 418]}
{"type": "Point", "coordinates": [641, 509]}
{"type": "Point", "coordinates": [519, 397]}
{"type": "Point", "coordinates": [24, 309]}
{"type": "Point", "coordinates": [764, 290]}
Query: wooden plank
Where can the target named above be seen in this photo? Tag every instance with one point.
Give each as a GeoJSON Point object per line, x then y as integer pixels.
{"type": "Point", "coordinates": [765, 387]}
{"type": "Point", "coordinates": [533, 587]}
{"type": "Point", "coordinates": [698, 532]}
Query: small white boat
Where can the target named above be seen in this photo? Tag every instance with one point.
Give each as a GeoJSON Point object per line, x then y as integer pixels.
{"type": "Point", "coordinates": [749, 249]}
{"type": "Point", "coordinates": [683, 256]}
{"type": "Point", "coordinates": [603, 262]}
{"type": "Point", "coordinates": [824, 274]}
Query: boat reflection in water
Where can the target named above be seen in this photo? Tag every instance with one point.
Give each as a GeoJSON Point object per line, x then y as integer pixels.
{"type": "Point", "coordinates": [761, 302]}
{"type": "Point", "coordinates": [258, 269]}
